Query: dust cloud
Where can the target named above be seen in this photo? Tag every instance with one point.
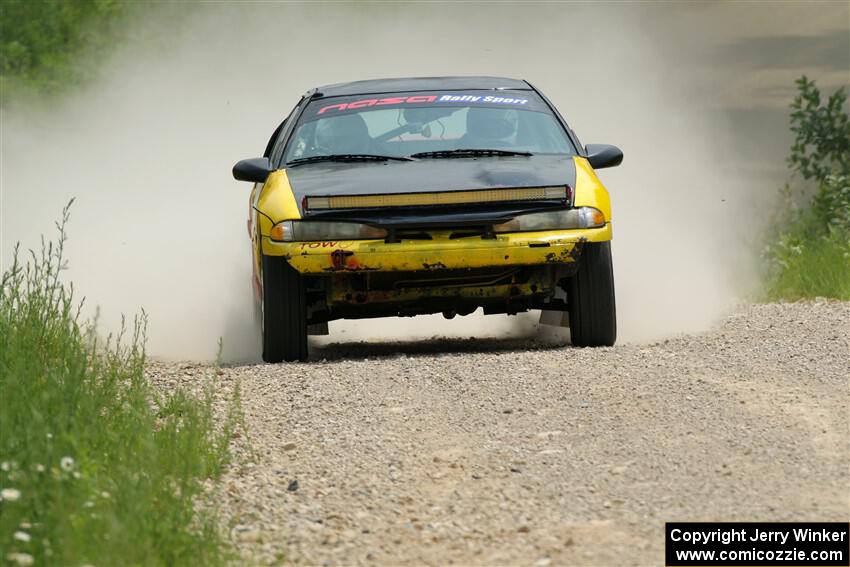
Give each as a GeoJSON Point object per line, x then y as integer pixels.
{"type": "Point", "coordinates": [159, 224]}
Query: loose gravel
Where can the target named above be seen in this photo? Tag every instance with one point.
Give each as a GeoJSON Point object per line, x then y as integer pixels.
{"type": "Point", "coordinates": [524, 452]}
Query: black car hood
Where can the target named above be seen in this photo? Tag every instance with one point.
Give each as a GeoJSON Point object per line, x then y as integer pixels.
{"type": "Point", "coordinates": [426, 175]}
{"type": "Point", "coordinates": [450, 174]}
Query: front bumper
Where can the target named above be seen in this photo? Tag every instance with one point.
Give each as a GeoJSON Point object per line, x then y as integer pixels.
{"type": "Point", "coordinates": [439, 253]}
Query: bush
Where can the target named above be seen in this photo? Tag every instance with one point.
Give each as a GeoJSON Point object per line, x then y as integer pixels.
{"type": "Point", "coordinates": [810, 251]}
{"type": "Point", "coordinates": [96, 467]}
{"type": "Point", "coordinates": [41, 41]}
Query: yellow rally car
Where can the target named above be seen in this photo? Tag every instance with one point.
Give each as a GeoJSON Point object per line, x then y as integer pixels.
{"type": "Point", "coordinates": [402, 197]}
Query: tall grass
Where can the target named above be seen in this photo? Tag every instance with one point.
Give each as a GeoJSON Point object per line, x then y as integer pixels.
{"type": "Point", "coordinates": [809, 252]}
{"type": "Point", "coordinates": [810, 267]}
{"type": "Point", "coordinates": [96, 467]}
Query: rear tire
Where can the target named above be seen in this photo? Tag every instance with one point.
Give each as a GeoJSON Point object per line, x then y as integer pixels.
{"type": "Point", "coordinates": [284, 312]}
{"type": "Point", "coordinates": [590, 298]}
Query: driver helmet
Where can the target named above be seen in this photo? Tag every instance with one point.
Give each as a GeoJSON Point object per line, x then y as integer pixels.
{"type": "Point", "coordinates": [347, 134]}
{"type": "Point", "coordinates": [492, 124]}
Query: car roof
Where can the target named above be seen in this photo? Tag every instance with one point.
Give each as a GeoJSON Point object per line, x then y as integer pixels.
{"type": "Point", "coordinates": [375, 86]}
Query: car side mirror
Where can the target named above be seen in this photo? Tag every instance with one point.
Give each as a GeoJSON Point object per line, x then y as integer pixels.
{"type": "Point", "coordinates": [255, 170]}
{"type": "Point", "coordinates": [603, 155]}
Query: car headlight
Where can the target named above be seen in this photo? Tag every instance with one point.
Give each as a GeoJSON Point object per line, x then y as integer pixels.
{"type": "Point", "coordinates": [297, 231]}
{"type": "Point", "coordinates": [582, 217]}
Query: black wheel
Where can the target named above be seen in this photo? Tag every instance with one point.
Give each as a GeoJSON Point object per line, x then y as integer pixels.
{"type": "Point", "coordinates": [284, 312]}
{"type": "Point", "coordinates": [590, 298]}
{"type": "Point", "coordinates": [257, 328]}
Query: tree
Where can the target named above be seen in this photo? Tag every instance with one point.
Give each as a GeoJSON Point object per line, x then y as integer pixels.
{"type": "Point", "coordinates": [822, 144]}
{"type": "Point", "coordinates": [821, 153]}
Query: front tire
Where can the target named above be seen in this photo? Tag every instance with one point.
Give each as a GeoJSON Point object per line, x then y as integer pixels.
{"type": "Point", "coordinates": [284, 312]}
{"type": "Point", "coordinates": [590, 298]}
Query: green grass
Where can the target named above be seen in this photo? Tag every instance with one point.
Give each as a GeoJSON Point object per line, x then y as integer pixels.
{"type": "Point", "coordinates": [811, 268]}
{"type": "Point", "coordinates": [96, 466]}
{"type": "Point", "coordinates": [810, 256]}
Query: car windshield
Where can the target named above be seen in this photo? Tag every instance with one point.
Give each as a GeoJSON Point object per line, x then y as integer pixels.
{"type": "Point", "coordinates": [404, 124]}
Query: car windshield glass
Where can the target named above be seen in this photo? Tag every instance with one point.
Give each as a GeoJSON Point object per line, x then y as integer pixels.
{"type": "Point", "coordinates": [402, 124]}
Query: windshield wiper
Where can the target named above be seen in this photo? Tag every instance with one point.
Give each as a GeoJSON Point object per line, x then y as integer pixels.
{"type": "Point", "coordinates": [347, 157]}
{"type": "Point", "coordinates": [468, 152]}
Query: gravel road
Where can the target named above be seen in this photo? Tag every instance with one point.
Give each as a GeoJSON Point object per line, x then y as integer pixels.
{"type": "Point", "coordinates": [523, 452]}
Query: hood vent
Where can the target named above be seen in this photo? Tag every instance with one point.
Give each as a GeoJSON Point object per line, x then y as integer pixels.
{"type": "Point", "coordinates": [479, 196]}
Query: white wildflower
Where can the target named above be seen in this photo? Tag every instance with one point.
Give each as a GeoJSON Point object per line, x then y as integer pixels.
{"type": "Point", "coordinates": [88, 504]}
{"type": "Point", "coordinates": [22, 536]}
{"type": "Point", "coordinates": [23, 559]}
{"type": "Point", "coordinates": [77, 474]}
{"type": "Point", "coordinates": [10, 494]}
{"type": "Point", "coordinates": [5, 466]}
{"type": "Point", "coordinates": [67, 464]}
{"type": "Point", "coordinates": [40, 468]}
{"type": "Point", "coordinates": [25, 525]}
{"type": "Point", "coordinates": [105, 494]}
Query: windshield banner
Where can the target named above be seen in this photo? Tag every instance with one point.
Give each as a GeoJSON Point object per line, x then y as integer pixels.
{"type": "Point", "coordinates": [321, 108]}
